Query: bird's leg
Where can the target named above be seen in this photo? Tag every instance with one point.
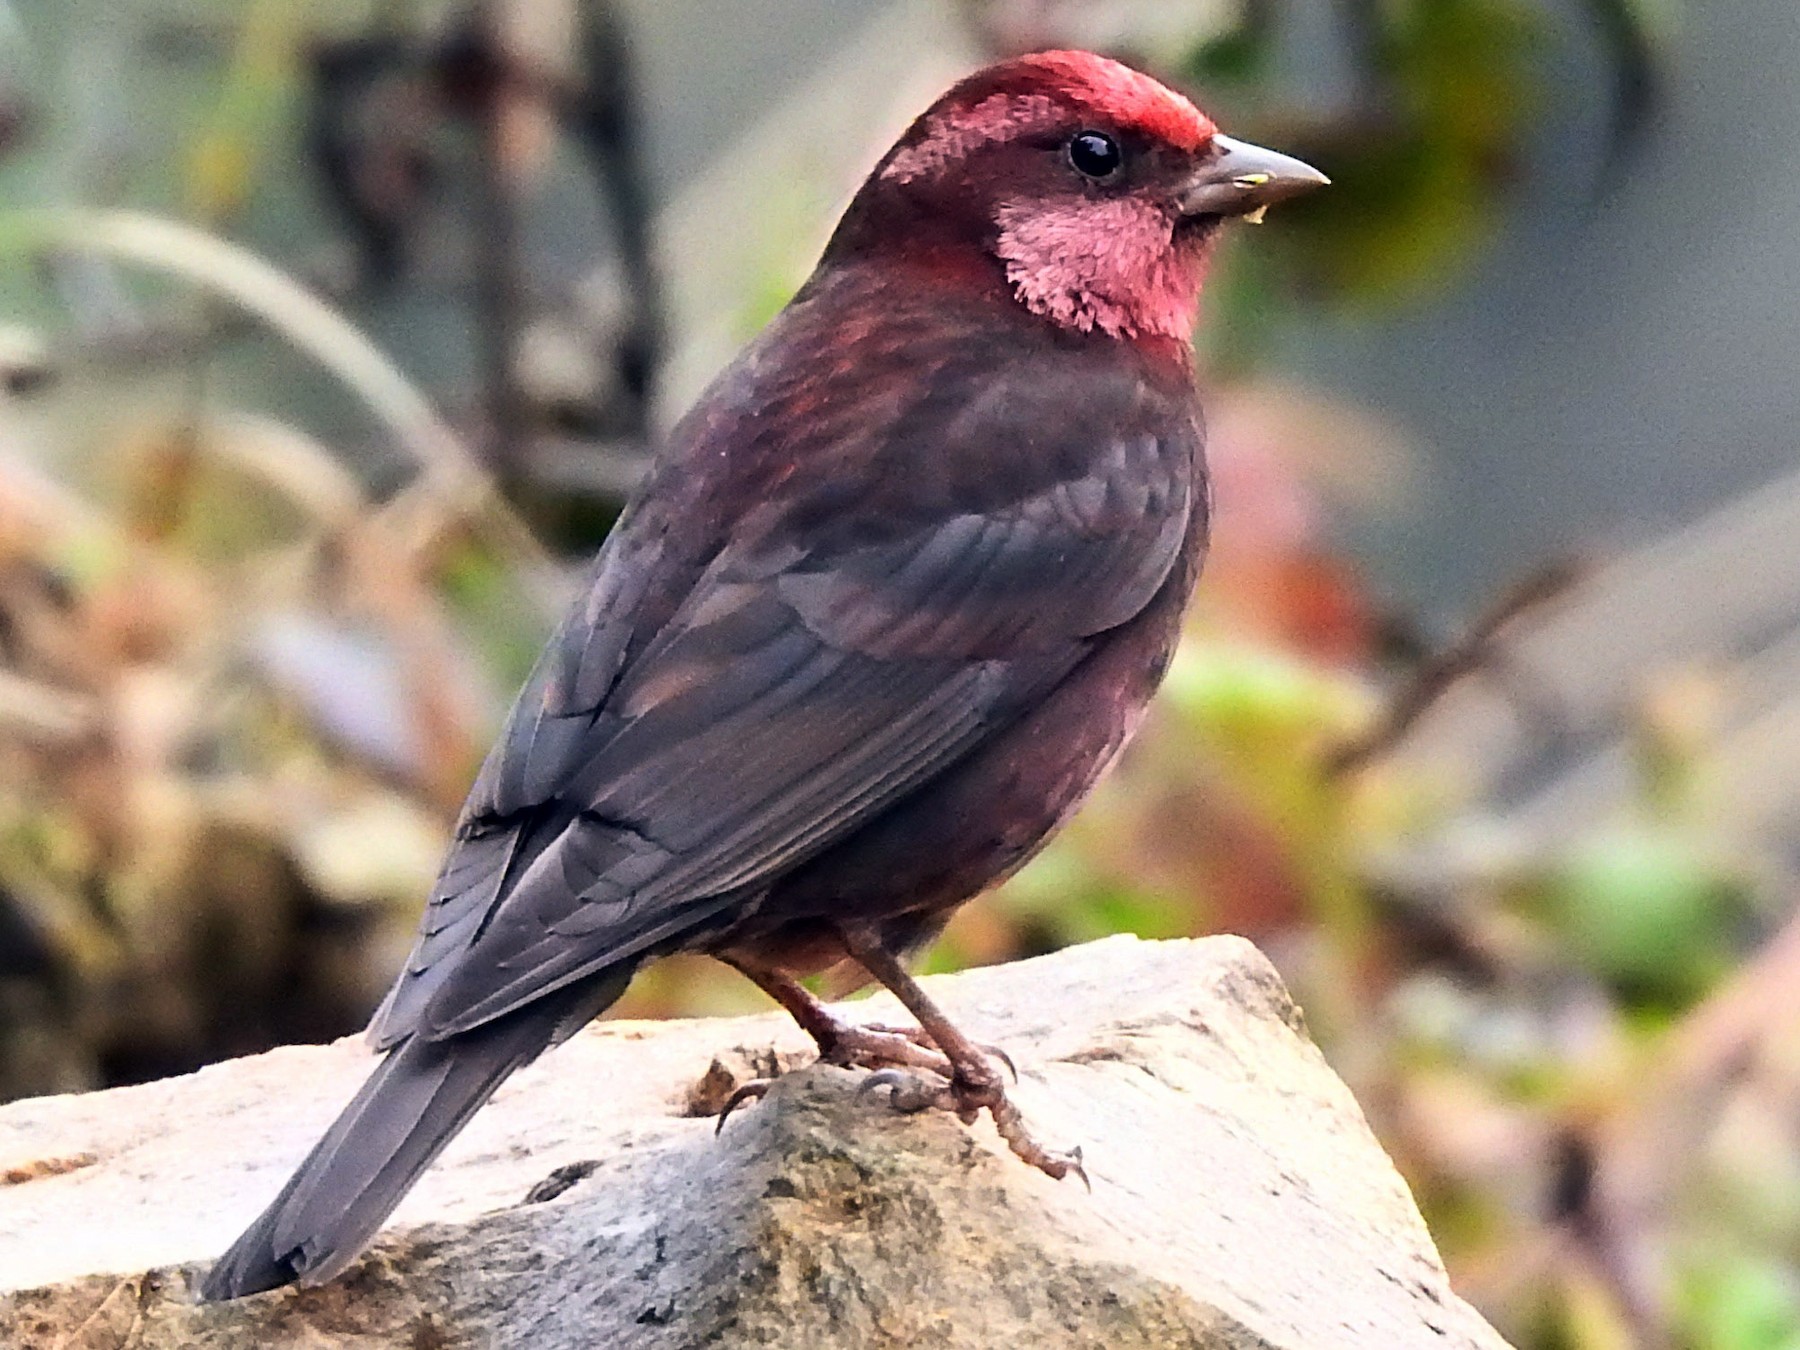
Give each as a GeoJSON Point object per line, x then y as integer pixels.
{"type": "Point", "coordinates": [974, 1082]}
{"type": "Point", "coordinates": [848, 1044]}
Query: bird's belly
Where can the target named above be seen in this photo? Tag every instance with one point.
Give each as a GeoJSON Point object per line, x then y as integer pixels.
{"type": "Point", "coordinates": [976, 824]}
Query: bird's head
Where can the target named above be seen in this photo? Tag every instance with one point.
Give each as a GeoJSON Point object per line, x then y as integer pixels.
{"type": "Point", "coordinates": [1094, 189]}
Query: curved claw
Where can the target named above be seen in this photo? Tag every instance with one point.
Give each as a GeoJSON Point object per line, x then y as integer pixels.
{"type": "Point", "coordinates": [1079, 1169]}
{"type": "Point", "coordinates": [1003, 1057]}
{"type": "Point", "coordinates": [755, 1090]}
{"type": "Point", "coordinates": [879, 1079]}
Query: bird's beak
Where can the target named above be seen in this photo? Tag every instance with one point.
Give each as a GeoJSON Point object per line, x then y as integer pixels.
{"type": "Point", "coordinates": [1240, 179]}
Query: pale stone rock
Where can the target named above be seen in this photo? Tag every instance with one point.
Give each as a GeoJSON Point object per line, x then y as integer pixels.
{"type": "Point", "coordinates": [1239, 1199]}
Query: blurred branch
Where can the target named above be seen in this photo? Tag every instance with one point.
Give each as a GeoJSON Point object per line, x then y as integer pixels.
{"type": "Point", "coordinates": [296, 465]}
{"type": "Point", "coordinates": [509, 76]}
{"type": "Point", "coordinates": [29, 495]}
{"type": "Point", "coordinates": [498, 300]}
{"type": "Point", "coordinates": [265, 291]}
{"type": "Point", "coordinates": [375, 188]}
{"type": "Point", "coordinates": [1686, 603]}
{"type": "Point", "coordinates": [604, 119]}
{"type": "Point", "coordinates": [1475, 652]}
{"type": "Point", "coordinates": [44, 711]}
{"type": "Point", "coordinates": [1626, 32]}
{"type": "Point", "coordinates": [450, 478]}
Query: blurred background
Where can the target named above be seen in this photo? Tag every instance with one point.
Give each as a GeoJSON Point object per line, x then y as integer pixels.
{"type": "Point", "coordinates": [332, 336]}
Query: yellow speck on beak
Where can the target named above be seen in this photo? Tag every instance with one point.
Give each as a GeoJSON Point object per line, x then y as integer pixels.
{"type": "Point", "coordinates": [1250, 180]}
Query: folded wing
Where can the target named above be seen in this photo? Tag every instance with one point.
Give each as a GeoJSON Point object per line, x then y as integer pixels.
{"type": "Point", "coordinates": [646, 789]}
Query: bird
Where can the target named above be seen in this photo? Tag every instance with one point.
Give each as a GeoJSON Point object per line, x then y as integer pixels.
{"type": "Point", "coordinates": [894, 594]}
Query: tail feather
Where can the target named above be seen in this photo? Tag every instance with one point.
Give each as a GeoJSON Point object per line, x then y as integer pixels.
{"type": "Point", "coordinates": [413, 1104]}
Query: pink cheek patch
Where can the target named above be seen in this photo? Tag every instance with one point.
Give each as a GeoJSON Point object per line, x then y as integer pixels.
{"type": "Point", "coordinates": [1111, 265]}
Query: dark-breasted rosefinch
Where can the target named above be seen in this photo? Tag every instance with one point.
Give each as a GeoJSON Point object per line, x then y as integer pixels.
{"type": "Point", "coordinates": [894, 595]}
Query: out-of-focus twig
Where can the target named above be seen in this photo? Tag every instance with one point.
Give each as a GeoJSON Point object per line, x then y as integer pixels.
{"type": "Point", "coordinates": [483, 58]}
{"type": "Point", "coordinates": [452, 481]}
{"type": "Point", "coordinates": [265, 291]}
{"type": "Point", "coordinates": [1638, 81]}
{"type": "Point", "coordinates": [44, 711]}
{"type": "Point", "coordinates": [603, 115]}
{"type": "Point", "coordinates": [1471, 654]}
{"type": "Point", "coordinates": [511, 73]}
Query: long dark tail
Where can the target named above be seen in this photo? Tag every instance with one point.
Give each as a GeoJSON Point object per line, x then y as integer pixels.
{"type": "Point", "coordinates": [411, 1107]}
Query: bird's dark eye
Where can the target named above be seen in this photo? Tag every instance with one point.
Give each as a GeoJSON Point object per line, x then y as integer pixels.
{"type": "Point", "coordinates": [1095, 154]}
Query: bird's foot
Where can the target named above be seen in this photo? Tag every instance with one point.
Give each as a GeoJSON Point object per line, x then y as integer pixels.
{"type": "Point", "coordinates": [966, 1097]}
{"type": "Point", "coordinates": [850, 1046]}
{"type": "Point", "coordinates": [919, 1036]}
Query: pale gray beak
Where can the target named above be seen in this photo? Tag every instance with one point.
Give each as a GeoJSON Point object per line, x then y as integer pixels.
{"type": "Point", "coordinates": [1239, 178]}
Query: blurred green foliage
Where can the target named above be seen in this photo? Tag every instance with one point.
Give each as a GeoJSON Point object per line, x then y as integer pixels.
{"type": "Point", "coordinates": [1419, 159]}
{"type": "Point", "coordinates": [1648, 913]}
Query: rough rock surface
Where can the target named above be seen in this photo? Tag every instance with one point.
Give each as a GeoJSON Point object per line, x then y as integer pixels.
{"type": "Point", "coordinates": [1238, 1198]}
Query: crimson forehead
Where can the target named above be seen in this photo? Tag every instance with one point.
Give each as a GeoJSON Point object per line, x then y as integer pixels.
{"type": "Point", "coordinates": [1128, 97]}
{"type": "Point", "coordinates": [1041, 91]}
